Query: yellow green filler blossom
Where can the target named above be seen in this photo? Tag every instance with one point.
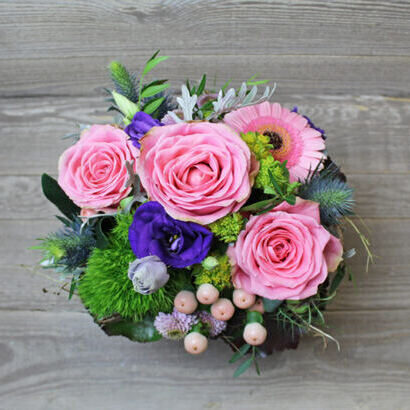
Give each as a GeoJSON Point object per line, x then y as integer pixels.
{"type": "Point", "coordinates": [216, 270]}
{"type": "Point", "coordinates": [272, 169]}
{"type": "Point", "coordinates": [258, 144]}
{"type": "Point", "coordinates": [227, 228]}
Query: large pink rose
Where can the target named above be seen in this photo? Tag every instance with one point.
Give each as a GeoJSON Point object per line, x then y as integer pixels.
{"type": "Point", "coordinates": [92, 172]}
{"type": "Point", "coordinates": [198, 171]}
{"type": "Point", "coordinates": [286, 253]}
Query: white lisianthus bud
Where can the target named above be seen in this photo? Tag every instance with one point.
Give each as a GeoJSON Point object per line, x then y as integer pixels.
{"type": "Point", "coordinates": [148, 274]}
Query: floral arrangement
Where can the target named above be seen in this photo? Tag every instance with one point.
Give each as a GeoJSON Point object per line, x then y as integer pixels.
{"type": "Point", "coordinates": [215, 214]}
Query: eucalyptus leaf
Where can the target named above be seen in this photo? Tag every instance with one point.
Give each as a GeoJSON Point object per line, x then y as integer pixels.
{"type": "Point", "coordinates": [55, 194]}
{"type": "Point", "coordinates": [150, 107]}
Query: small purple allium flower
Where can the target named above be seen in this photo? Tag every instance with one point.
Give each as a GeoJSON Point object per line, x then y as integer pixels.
{"type": "Point", "coordinates": [176, 243]}
{"type": "Point", "coordinates": [174, 325]}
{"type": "Point", "coordinates": [310, 122]}
{"type": "Point", "coordinates": [216, 326]}
{"type": "Point", "coordinates": [148, 274]}
{"type": "Point", "coordinates": [139, 126]}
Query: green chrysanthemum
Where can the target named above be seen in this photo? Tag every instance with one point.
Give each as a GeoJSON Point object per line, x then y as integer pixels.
{"type": "Point", "coordinates": [227, 229]}
{"type": "Point", "coordinates": [217, 274]}
{"type": "Point", "coordinates": [258, 144]}
{"type": "Point", "coordinates": [105, 288]}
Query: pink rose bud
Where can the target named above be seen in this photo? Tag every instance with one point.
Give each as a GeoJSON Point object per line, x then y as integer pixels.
{"type": "Point", "coordinates": [223, 309]}
{"type": "Point", "coordinates": [207, 294]}
{"type": "Point", "coordinates": [258, 307]}
{"type": "Point", "coordinates": [195, 343]}
{"type": "Point", "coordinates": [185, 302]}
{"type": "Point", "coordinates": [254, 334]}
{"type": "Point", "coordinates": [243, 299]}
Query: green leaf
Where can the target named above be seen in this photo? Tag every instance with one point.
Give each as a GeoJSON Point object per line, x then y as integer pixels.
{"type": "Point", "coordinates": [271, 305]}
{"type": "Point", "coordinates": [102, 240]}
{"type": "Point", "coordinates": [143, 331]}
{"type": "Point", "coordinates": [243, 367]}
{"type": "Point", "coordinates": [72, 287]}
{"type": "Point", "coordinates": [54, 193]}
{"type": "Point", "coordinates": [150, 107]}
{"type": "Point", "coordinates": [240, 353]}
{"type": "Point", "coordinates": [154, 55]}
{"type": "Point", "coordinates": [127, 107]}
{"type": "Point", "coordinates": [225, 86]}
{"type": "Point", "coordinates": [274, 183]}
{"type": "Point", "coordinates": [337, 279]}
{"type": "Point", "coordinates": [258, 82]}
{"type": "Point", "coordinates": [258, 205]}
{"type": "Point", "coordinates": [153, 90]}
{"type": "Point", "coordinates": [291, 199]}
{"type": "Point", "coordinates": [155, 82]}
{"type": "Point", "coordinates": [201, 86]}
{"type": "Point", "coordinates": [152, 63]}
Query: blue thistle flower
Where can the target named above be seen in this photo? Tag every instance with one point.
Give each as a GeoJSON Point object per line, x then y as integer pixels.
{"type": "Point", "coordinates": [69, 248]}
{"type": "Point", "coordinates": [331, 191]}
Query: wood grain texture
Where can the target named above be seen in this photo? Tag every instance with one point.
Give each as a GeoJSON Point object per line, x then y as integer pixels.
{"type": "Point", "coordinates": [345, 64]}
{"type": "Point", "coordinates": [111, 374]}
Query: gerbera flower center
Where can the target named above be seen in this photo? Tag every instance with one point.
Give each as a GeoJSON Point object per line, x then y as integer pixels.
{"type": "Point", "coordinates": [275, 139]}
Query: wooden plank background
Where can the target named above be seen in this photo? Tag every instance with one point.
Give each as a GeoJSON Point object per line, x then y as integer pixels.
{"type": "Point", "coordinates": [345, 63]}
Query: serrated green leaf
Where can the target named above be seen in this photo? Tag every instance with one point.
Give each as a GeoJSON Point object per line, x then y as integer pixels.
{"type": "Point", "coordinates": [201, 86]}
{"type": "Point", "coordinates": [152, 63]}
{"type": "Point", "coordinates": [240, 353]}
{"type": "Point", "coordinates": [127, 107]}
{"type": "Point", "coordinates": [54, 193]}
{"type": "Point", "coordinates": [270, 305]}
{"type": "Point", "coordinates": [243, 367]}
{"type": "Point", "coordinates": [143, 331]}
{"type": "Point", "coordinates": [153, 90]}
{"type": "Point", "coordinates": [153, 105]}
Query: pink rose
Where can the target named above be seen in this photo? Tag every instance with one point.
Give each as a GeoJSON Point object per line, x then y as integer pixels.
{"type": "Point", "coordinates": [286, 253]}
{"type": "Point", "coordinates": [198, 171]}
{"type": "Point", "coordinates": [92, 172]}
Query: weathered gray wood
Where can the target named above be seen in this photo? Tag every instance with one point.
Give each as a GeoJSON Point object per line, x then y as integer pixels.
{"type": "Point", "coordinates": [62, 360]}
{"type": "Point", "coordinates": [212, 27]}
{"type": "Point", "coordinates": [344, 63]}
{"type": "Point", "coordinates": [81, 76]}
{"type": "Point", "coordinates": [365, 134]}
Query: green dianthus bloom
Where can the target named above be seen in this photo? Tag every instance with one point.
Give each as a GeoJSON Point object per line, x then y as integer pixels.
{"type": "Point", "coordinates": [219, 276]}
{"type": "Point", "coordinates": [105, 288]}
{"type": "Point", "coordinates": [258, 144]}
{"type": "Point", "coordinates": [227, 228]}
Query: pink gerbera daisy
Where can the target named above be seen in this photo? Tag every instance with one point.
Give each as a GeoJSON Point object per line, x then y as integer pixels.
{"type": "Point", "coordinates": [292, 138]}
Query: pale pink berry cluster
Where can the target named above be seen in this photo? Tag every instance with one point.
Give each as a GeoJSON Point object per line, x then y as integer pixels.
{"type": "Point", "coordinates": [222, 310]}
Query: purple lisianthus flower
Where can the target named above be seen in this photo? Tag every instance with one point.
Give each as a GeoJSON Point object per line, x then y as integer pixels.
{"type": "Point", "coordinates": [310, 122]}
{"type": "Point", "coordinates": [139, 126]}
{"type": "Point", "coordinates": [176, 243]}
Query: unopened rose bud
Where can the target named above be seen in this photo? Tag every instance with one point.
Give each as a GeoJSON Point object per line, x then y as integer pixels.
{"type": "Point", "coordinates": [148, 274]}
